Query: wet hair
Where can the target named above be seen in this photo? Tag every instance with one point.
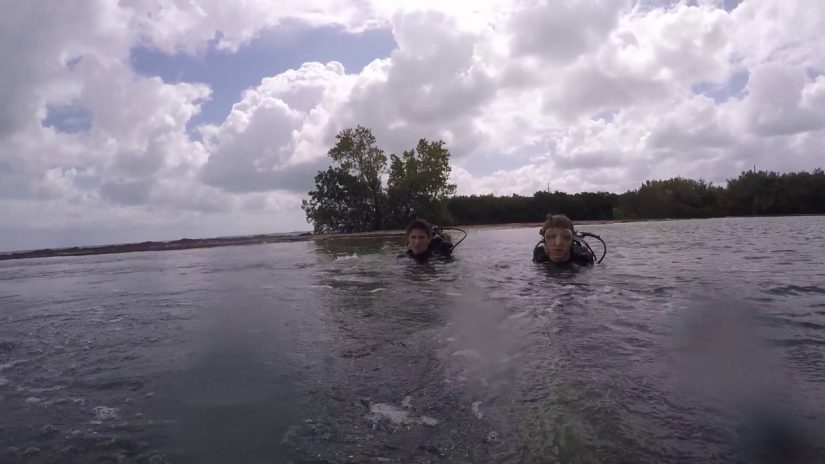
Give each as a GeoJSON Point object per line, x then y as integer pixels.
{"type": "Point", "coordinates": [557, 221]}
{"type": "Point", "coordinates": [420, 224]}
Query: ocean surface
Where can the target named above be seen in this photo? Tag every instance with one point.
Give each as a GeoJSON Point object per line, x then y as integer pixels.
{"type": "Point", "coordinates": [694, 341]}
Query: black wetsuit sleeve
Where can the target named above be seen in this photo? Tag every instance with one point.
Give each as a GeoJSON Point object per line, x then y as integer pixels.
{"type": "Point", "coordinates": [581, 256]}
{"type": "Point", "coordinates": [539, 254]}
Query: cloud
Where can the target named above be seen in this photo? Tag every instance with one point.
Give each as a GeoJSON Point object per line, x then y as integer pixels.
{"type": "Point", "coordinates": [277, 136]}
{"type": "Point", "coordinates": [787, 32]}
{"type": "Point", "coordinates": [684, 44]}
{"type": "Point", "coordinates": [580, 95]}
{"type": "Point", "coordinates": [274, 137]}
{"type": "Point", "coordinates": [648, 58]}
{"type": "Point", "coordinates": [38, 43]}
{"type": "Point", "coordinates": [561, 31]}
{"type": "Point", "coordinates": [696, 124]}
{"type": "Point", "coordinates": [432, 86]}
{"type": "Point", "coordinates": [587, 88]}
{"type": "Point", "coordinates": [126, 192]}
{"type": "Point", "coordinates": [188, 26]}
{"type": "Point", "coordinates": [782, 100]}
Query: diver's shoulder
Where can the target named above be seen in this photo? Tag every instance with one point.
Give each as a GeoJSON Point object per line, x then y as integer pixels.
{"type": "Point", "coordinates": [581, 255]}
{"type": "Point", "coordinates": [441, 245]}
{"type": "Point", "coordinates": [540, 254]}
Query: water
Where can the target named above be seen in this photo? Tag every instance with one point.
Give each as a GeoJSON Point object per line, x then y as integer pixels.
{"type": "Point", "coordinates": [695, 341]}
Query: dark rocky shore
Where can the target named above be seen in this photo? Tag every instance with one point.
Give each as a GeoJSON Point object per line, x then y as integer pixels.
{"type": "Point", "coordinates": [188, 243]}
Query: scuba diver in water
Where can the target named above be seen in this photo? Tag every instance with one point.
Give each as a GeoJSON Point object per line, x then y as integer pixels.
{"type": "Point", "coordinates": [561, 244]}
{"type": "Point", "coordinates": [425, 240]}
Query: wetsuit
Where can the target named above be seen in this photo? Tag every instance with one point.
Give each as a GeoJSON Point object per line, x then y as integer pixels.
{"type": "Point", "coordinates": [578, 255]}
{"type": "Point", "coordinates": [439, 246]}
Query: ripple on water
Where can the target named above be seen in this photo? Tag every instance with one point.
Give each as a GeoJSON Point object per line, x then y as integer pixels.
{"type": "Point", "coordinates": [12, 364]}
{"type": "Point", "coordinates": [796, 290]}
{"type": "Point", "coordinates": [790, 342]}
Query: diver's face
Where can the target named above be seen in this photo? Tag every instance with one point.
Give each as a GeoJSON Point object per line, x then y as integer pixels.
{"type": "Point", "coordinates": [557, 243]}
{"type": "Point", "coordinates": [418, 241]}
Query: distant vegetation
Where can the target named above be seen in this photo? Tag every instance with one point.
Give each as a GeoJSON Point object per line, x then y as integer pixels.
{"type": "Point", "coordinates": [350, 196]}
{"type": "Point", "coordinates": [751, 194]}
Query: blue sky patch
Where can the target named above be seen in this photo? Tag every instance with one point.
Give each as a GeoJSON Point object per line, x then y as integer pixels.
{"type": "Point", "coordinates": [70, 119]}
{"type": "Point", "coordinates": [734, 87]}
{"type": "Point", "coordinates": [88, 181]}
{"type": "Point", "coordinates": [276, 50]}
{"type": "Point", "coordinates": [646, 5]}
{"type": "Point", "coordinates": [607, 115]}
{"type": "Point", "coordinates": [730, 5]}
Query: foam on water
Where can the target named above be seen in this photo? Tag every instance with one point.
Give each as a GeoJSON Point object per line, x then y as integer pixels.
{"type": "Point", "coordinates": [399, 416]}
{"type": "Point", "coordinates": [40, 390]}
{"type": "Point", "coordinates": [105, 413]}
{"type": "Point", "coordinates": [476, 407]}
{"type": "Point", "coordinates": [467, 354]}
{"type": "Point", "coordinates": [11, 364]}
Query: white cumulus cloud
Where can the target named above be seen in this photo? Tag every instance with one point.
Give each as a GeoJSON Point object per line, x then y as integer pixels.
{"type": "Point", "coordinates": [571, 94]}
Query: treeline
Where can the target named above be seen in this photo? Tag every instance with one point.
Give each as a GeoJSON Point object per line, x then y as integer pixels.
{"type": "Point", "coordinates": [365, 190]}
{"type": "Point", "coordinates": [753, 193]}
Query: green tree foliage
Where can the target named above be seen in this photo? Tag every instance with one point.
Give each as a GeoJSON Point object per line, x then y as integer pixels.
{"type": "Point", "coordinates": [419, 183]}
{"type": "Point", "coordinates": [489, 209]}
{"type": "Point", "coordinates": [357, 156]}
{"type": "Point", "coordinates": [350, 197]}
{"type": "Point", "coordinates": [761, 193]}
{"type": "Point", "coordinates": [673, 198]}
{"type": "Point", "coordinates": [339, 204]}
{"type": "Point", "coordinates": [752, 193]}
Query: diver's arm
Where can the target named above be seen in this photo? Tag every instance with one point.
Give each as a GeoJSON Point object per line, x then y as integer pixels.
{"type": "Point", "coordinates": [540, 254]}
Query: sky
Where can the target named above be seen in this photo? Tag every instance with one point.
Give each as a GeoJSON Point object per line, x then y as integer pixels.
{"type": "Point", "coordinates": [137, 120]}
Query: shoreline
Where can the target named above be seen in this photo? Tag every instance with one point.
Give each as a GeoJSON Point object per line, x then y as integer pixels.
{"type": "Point", "coordinates": [214, 242]}
{"type": "Point", "coordinates": [189, 243]}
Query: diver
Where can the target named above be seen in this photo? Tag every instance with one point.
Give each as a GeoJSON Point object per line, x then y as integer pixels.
{"type": "Point", "coordinates": [425, 240]}
{"type": "Point", "coordinates": [561, 244]}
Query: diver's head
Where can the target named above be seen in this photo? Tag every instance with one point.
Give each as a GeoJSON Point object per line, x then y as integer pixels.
{"type": "Point", "coordinates": [558, 237]}
{"type": "Point", "coordinates": [419, 234]}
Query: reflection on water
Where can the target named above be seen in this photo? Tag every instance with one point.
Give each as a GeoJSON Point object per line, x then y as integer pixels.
{"type": "Point", "coordinates": [694, 341]}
